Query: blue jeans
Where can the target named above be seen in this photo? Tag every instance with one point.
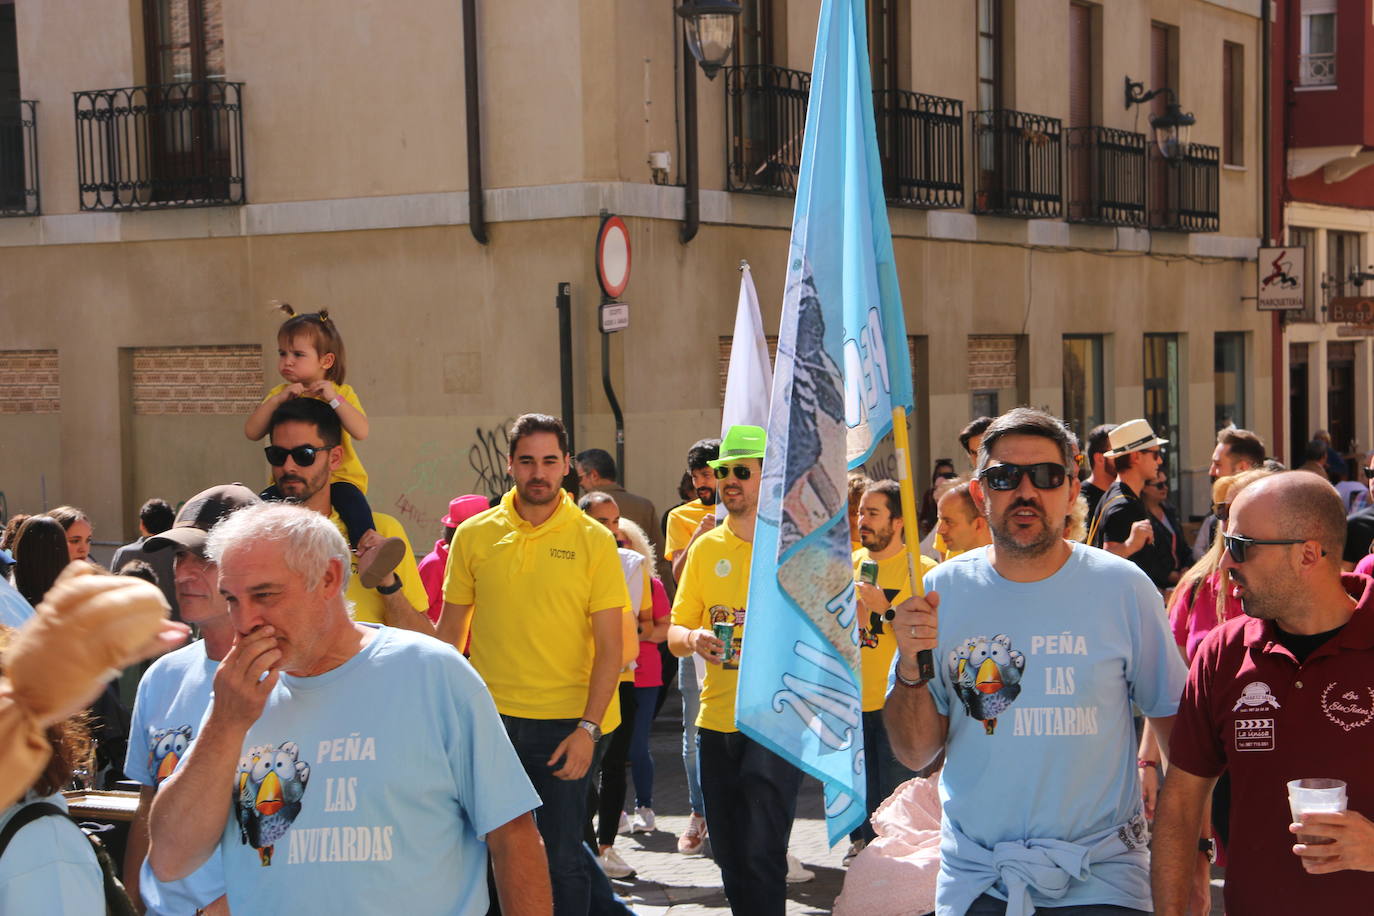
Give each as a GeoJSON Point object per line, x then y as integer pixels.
{"type": "Point", "coordinates": [562, 813]}
{"type": "Point", "coordinates": [751, 798]}
{"type": "Point", "coordinates": [691, 705]}
{"type": "Point", "coordinates": [641, 761]}
{"type": "Point", "coordinates": [883, 771]}
{"type": "Point", "coordinates": [987, 905]}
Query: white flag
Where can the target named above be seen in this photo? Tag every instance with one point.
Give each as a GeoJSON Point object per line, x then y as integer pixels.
{"type": "Point", "coordinates": [749, 381]}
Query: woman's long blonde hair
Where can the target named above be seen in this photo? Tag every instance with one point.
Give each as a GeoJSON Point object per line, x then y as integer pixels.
{"type": "Point", "coordinates": [1224, 492]}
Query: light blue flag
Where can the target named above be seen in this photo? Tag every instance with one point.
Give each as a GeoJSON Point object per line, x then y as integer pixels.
{"type": "Point", "coordinates": [841, 367]}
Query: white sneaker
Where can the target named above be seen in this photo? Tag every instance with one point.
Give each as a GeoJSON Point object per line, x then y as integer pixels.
{"type": "Point", "coordinates": [624, 827]}
{"type": "Point", "coordinates": [643, 821]}
{"type": "Point", "coordinates": [613, 865]}
{"type": "Point", "coordinates": [796, 872]}
{"type": "Point", "coordinates": [694, 837]}
{"type": "Point", "coordinates": [855, 848]}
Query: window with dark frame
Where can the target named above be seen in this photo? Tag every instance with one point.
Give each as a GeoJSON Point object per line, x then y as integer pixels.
{"type": "Point", "coordinates": [990, 88]}
{"type": "Point", "coordinates": [1083, 383]}
{"type": "Point", "coordinates": [1228, 379]}
{"type": "Point", "coordinates": [1162, 400]}
{"type": "Point", "coordinates": [1232, 103]}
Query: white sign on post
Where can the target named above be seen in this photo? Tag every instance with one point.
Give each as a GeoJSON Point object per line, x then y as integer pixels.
{"type": "Point", "coordinates": [1281, 284]}
{"type": "Point", "coordinates": [615, 316]}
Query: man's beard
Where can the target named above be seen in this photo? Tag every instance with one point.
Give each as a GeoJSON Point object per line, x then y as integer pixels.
{"type": "Point", "coordinates": [880, 539]}
{"type": "Point", "coordinates": [550, 494]}
{"type": "Point", "coordinates": [707, 495]}
{"type": "Point", "coordinates": [305, 484]}
{"type": "Point", "coordinates": [1005, 540]}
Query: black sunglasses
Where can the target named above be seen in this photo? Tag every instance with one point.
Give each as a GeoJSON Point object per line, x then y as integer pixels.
{"type": "Point", "coordinates": [1237, 545]}
{"type": "Point", "coordinates": [303, 455]}
{"type": "Point", "coordinates": [1369, 472]}
{"type": "Point", "coordinates": [1159, 485]}
{"type": "Point", "coordinates": [1044, 476]}
{"type": "Point", "coordinates": [741, 472]}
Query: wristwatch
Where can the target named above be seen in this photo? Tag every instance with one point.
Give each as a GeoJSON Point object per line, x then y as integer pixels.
{"type": "Point", "coordinates": [897, 673]}
{"type": "Point", "coordinates": [1209, 846]}
{"type": "Point", "coordinates": [591, 728]}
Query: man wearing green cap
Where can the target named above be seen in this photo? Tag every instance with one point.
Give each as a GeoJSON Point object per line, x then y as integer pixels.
{"type": "Point", "coordinates": [750, 792]}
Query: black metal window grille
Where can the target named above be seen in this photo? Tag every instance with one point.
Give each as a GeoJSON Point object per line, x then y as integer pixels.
{"type": "Point", "coordinates": [19, 159]}
{"type": "Point", "coordinates": [765, 118]}
{"type": "Point", "coordinates": [154, 147]}
{"type": "Point", "coordinates": [1186, 195]}
{"type": "Point", "coordinates": [1106, 180]}
{"type": "Point", "coordinates": [921, 143]}
{"type": "Point", "coordinates": [1018, 164]}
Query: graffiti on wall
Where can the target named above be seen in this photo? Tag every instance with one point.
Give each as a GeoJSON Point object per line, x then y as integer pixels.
{"type": "Point", "coordinates": [441, 472]}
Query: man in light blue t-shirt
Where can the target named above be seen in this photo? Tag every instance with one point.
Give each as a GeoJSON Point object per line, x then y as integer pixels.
{"type": "Point", "coordinates": [343, 767]}
{"type": "Point", "coordinates": [1041, 645]}
{"type": "Point", "coordinates": [174, 694]}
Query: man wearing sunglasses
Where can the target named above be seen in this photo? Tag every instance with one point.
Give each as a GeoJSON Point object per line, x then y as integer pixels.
{"type": "Point", "coordinates": [304, 448]}
{"type": "Point", "coordinates": [1284, 692]}
{"type": "Point", "coordinates": [750, 792]}
{"type": "Point", "coordinates": [1123, 524]}
{"type": "Point", "coordinates": [1041, 646]}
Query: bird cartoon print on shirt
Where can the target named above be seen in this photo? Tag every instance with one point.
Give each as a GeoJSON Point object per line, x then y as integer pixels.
{"type": "Point", "coordinates": [986, 676]}
{"type": "Point", "coordinates": [165, 750]}
{"type": "Point", "coordinates": [270, 785]}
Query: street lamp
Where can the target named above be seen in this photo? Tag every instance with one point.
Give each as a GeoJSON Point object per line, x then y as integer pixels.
{"type": "Point", "coordinates": [710, 31]}
{"type": "Point", "coordinates": [709, 35]}
{"type": "Point", "coordinates": [1172, 128]}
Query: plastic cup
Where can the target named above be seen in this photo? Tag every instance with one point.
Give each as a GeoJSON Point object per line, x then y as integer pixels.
{"type": "Point", "coordinates": [1315, 796]}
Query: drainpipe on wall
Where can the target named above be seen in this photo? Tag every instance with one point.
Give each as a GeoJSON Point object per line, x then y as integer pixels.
{"type": "Point", "coordinates": [691, 217]}
{"type": "Point", "coordinates": [477, 211]}
{"type": "Point", "coordinates": [1267, 233]}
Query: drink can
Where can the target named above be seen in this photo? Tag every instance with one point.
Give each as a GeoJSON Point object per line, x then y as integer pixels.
{"type": "Point", "coordinates": [725, 632]}
{"type": "Point", "coordinates": [868, 572]}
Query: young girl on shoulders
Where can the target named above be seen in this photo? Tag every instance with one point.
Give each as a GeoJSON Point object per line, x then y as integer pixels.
{"type": "Point", "coordinates": [310, 357]}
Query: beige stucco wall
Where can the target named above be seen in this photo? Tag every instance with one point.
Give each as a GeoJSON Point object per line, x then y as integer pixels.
{"type": "Point", "coordinates": [447, 340]}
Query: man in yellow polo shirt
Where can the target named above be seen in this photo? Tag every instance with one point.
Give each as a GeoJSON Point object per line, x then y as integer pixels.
{"type": "Point", "coordinates": [305, 434]}
{"type": "Point", "coordinates": [882, 534]}
{"type": "Point", "coordinates": [540, 585]}
{"type": "Point", "coordinates": [685, 524]}
{"type": "Point", "coordinates": [750, 792]}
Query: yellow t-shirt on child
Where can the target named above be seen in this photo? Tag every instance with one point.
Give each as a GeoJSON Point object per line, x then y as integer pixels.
{"type": "Point", "coordinates": [351, 468]}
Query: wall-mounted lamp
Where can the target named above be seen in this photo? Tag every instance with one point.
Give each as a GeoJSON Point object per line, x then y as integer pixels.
{"type": "Point", "coordinates": [709, 34]}
{"type": "Point", "coordinates": [710, 31]}
{"type": "Point", "coordinates": [1172, 129]}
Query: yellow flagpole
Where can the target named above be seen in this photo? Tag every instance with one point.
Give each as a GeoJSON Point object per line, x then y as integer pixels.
{"type": "Point", "coordinates": [910, 528]}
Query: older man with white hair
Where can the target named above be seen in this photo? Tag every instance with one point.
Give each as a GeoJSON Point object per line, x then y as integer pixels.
{"type": "Point", "coordinates": [365, 766]}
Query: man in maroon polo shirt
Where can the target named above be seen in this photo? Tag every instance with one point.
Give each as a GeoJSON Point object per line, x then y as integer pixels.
{"type": "Point", "coordinates": [1285, 692]}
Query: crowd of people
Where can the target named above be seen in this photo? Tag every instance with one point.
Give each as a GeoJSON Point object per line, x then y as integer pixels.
{"type": "Point", "coordinates": [353, 730]}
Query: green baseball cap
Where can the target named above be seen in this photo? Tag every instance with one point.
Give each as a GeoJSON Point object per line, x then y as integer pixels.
{"type": "Point", "coordinates": [741, 441]}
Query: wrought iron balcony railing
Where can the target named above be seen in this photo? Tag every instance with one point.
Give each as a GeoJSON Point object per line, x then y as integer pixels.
{"type": "Point", "coordinates": [921, 143]}
{"type": "Point", "coordinates": [1017, 164]}
{"type": "Point", "coordinates": [155, 147]}
{"type": "Point", "coordinates": [765, 118]}
{"type": "Point", "coordinates": [1185, 195]}
{"type": "Point", "coordinates": [19, 159]}
{"type": "Point", "coordinates": [1317, 69]}
{"type": "Point", "coordinates": [1106, 176]}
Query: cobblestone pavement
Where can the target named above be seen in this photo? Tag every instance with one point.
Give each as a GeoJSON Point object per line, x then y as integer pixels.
{"type": "Point", "coordinates": [668, 883]}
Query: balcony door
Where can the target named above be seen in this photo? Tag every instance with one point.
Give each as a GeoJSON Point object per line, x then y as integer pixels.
{"type": "Point", "coordinates": [184, 46]}
{"type": "Point", "coordinates": [1081, 149]}
{"type": "Point", "coordinates": [1163, 202]}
